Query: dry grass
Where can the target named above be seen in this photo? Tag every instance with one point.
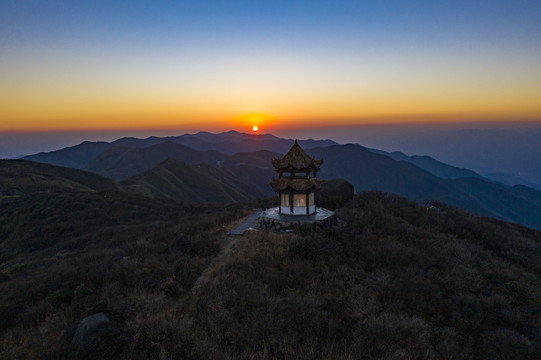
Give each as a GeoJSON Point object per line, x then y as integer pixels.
{"type": "Point", "coordinates": [395, 282]}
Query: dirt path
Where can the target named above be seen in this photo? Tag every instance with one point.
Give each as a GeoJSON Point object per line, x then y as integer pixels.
{"type": "Point", "coordinates": [229, 245]}
{"type": "Point", "coordinates": [246, 224]}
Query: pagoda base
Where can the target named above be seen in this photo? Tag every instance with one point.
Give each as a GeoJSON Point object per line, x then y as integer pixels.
{"type": "Point", "coordinates": [271, 219]}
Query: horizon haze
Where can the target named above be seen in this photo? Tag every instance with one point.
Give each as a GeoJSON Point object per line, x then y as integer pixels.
{"type": "Point", "coordinates": [506, 152]}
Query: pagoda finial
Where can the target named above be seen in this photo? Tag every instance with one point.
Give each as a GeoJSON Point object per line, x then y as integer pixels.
{"type": "Point", "coordinates": [296, 142]}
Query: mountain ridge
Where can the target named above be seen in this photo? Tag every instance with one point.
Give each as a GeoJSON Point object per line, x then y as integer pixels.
{"type": "Point", "coordinates": [231, 142]}
{"type": "Point", "coordinates": [365, 169]}
{"type": "Point", "coordinates": [369, 171]}
{"type": "Point", "coordinates": [430, 164]}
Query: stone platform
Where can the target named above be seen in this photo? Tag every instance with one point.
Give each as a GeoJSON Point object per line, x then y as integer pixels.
{"type": "Point", "coordinates": [270, 219]}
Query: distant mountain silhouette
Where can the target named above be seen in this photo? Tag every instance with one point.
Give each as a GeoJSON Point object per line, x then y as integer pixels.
{"type": "Point", "coordinates": [511, 147]}
{"type": "Point", "coordinates": [429, 164]}
{"type": "Point", "coordinates": [511, 180]}
{"type": "Point", "coordinates": [81, 156]}
{"type": "Point", "coordinates": [417, 178]}
{"type": "Point", "coordinates": [77, 156]}
{"type": "Point", "coordinates": [369, 171]}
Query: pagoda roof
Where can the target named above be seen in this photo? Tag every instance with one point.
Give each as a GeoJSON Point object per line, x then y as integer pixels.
{"type": "Point", "coordinates": [296, 184]}
{"type": "Point", "coordinates": [296, 158]}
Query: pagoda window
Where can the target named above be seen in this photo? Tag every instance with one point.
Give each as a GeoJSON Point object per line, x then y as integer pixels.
{"type": "Point", "coordinates": [299, 200]}
{"type": "Point", "coordinates": [285, 199]}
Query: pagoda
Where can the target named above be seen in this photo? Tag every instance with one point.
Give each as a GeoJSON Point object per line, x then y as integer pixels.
{"type": "Point", "coordinates": [297, 182]}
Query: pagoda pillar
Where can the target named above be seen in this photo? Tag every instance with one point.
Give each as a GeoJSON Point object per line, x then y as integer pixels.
{"type": "Point", "coordinates": [291, 202]}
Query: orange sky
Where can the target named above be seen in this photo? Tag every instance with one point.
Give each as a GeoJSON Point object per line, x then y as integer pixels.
{"type": "Point", "coordinates": [83, 97]}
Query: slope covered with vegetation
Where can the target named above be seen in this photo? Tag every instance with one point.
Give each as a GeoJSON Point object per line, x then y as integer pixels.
{"type": "Point", "coordinates": [20, 177]}
{"type": "Point", "coordinates": [395, 280]}
{"type": "Point", "coordinates": [173, 179]}
{"type": "Point", "coordinates": [416, 178]}
{"type": "Point", "coordinates": [67, 251]}
{"type": "Point", "coordinates": [120, 163]}
{"type": "Point", "coordinates": [369, 171]}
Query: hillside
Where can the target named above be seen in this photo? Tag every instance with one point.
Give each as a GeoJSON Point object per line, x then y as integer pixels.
{"type": "Point", "coordinates": [20, 177]}
{"type": "Point", "coordinates": [67, 250]}
{"type": "Point", "coordinates": [174, 179]}
{"type": "Point", "coordinates": [76, 157]}
{"type": "Point", "coordinates": [395, 280]}
{"type": "Point", "coordinates": [120, 163]}
{"type": "Point", "coordinates": [369, 171]}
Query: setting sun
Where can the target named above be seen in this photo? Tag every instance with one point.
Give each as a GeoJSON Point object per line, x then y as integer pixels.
{"type": "Point", "coordinates": [255, 129]}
